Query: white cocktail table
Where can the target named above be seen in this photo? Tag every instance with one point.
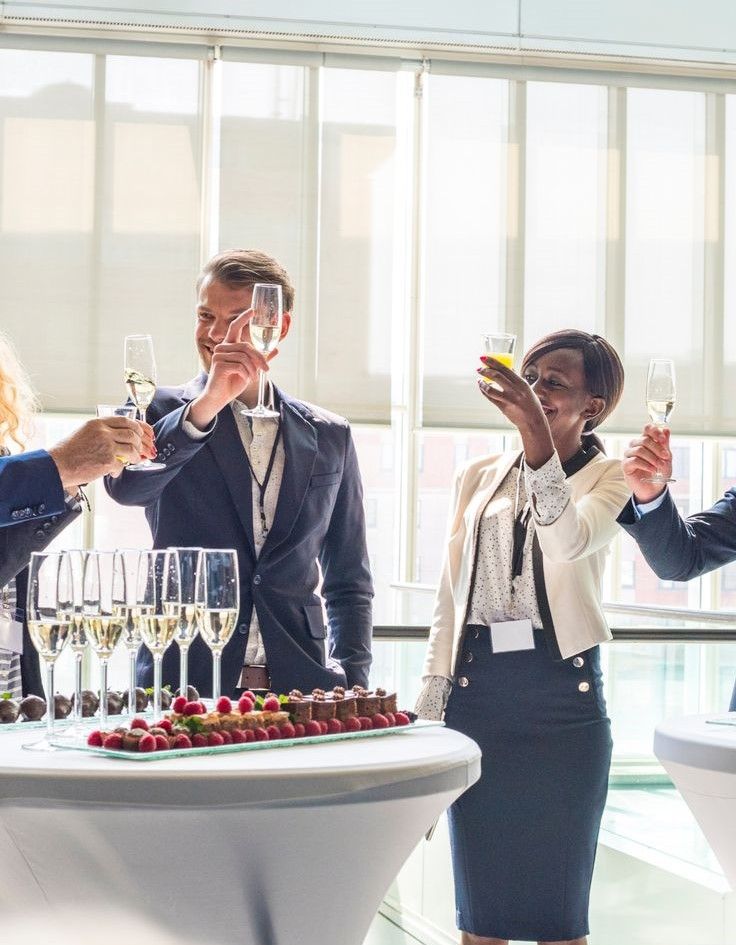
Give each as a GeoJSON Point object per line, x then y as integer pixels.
{"type": "Point", "coordinates": [275, 847]}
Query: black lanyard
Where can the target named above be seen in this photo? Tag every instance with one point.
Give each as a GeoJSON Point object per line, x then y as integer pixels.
{"type": "Point", "coordinates": [262, 486]}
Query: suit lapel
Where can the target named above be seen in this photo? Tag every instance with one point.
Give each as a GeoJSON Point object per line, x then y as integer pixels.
{"type": "Point", "coordinates": [300, 454]}
{"type": "Point", "coordinates": [227, 449]}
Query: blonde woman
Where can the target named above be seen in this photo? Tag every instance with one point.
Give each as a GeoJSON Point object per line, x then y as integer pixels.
{"type": "Point", "coordinates": [38, 491]}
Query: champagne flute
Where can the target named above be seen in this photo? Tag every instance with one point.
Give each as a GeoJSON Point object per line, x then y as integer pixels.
{"type": "Point", "coordinates": [218, 604]}
{"type": "Point", "coordinates": [265, 334]}
{"type": "Point", "coordinates": [159, 595]}
{"type": "Point", "coordinates": [660, 400]}
{"type": "Point", "coordinates": [140, 379]}
{"type": "Point", "coordinates": [188, 623]}
{"type": "Point", "coordinates": [104, 611]}
{"type": "Point", "coordinates": [77, 636]}
{"type": "Point", "coordinates": [49, 611]}
{"type": "Point", "coordinates": [131, 635]}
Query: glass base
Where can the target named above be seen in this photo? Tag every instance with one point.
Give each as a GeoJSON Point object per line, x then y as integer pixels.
{"type": "Point", "coordinates": [264, 413]}
{"type": "Point", "coordinates": [146, 465]}
{"type": "Point", "coordinates": [43, 744]}
{"type": "Point", "coordinates": [658, 480]}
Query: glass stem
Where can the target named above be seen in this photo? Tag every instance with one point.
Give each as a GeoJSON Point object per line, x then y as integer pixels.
{"type": "Point", "coordinates": [132, 702]}
{"type": "Point", "coordinates": [78, 688]}
{"type": "Point", "coordinates": [216, 676]}
{"type": "Point", "coordinates": [261, 388]}
{"type": "Point", "coordinates": [183, 669]}
{"type": "Point", "coordinates": [157, 661]}
{"type": "Point", "coordinates": [50, 699]}
{"type": "Point", "coordinates": [103, 693]}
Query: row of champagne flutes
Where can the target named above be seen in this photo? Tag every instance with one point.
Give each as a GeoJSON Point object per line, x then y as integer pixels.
{"type": "Point", "coordinates": [99, 598]}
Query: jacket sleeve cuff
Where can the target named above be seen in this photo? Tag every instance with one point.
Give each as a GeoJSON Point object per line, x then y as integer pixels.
{"type": "Point", "coordinates": [432, 699]}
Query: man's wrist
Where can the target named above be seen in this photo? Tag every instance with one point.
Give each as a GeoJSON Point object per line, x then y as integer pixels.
{"type": "Point", "coordinates": [203, 410]}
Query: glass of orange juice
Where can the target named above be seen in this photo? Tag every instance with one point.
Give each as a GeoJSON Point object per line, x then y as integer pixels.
{"type": "Point", "coordinates": [500, 346]}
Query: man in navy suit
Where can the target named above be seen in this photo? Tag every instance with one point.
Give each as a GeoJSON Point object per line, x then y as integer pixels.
{"type": "Point", "coordinates": [285, 493]}
{"type": "Point", "coordinates": [676, 549]}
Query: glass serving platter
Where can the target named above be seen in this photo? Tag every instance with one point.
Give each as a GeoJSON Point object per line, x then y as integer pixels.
{"type": "Point", "coordinates": [729, 719]}
{"type": "Point", "coordinates": [81, 745]}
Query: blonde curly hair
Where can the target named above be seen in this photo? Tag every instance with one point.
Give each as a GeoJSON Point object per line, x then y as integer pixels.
{"type": "Point", "coordinates": [18, 402]}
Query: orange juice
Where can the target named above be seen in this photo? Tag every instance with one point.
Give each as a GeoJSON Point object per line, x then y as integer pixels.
{"type": "Point", "coordinates": [504, 358]}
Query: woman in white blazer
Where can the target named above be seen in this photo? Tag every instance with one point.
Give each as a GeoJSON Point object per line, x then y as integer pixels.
{"type": "Point", "coordinates": [513, 657]}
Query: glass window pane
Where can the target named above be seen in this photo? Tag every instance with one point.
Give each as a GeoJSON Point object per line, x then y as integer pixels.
{"type": "Point", "coordinates": [464, 238]}
{"type": "Point", "coordinates": [727, 401]}
{"type": "Point", "coordinates": [566, 150]}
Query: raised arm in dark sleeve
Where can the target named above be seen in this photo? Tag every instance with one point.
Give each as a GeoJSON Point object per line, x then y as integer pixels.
{"type": "Point", "coordinates": [347, 585]}
{"type": "Point", "coordinates": [678, 549]}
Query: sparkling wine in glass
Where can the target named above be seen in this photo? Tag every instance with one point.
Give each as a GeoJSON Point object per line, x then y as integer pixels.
{"type": "Point", "coordinates": [77, 636]}
{"type": "Point", "coordinates": [105, 611]}
{"type": "Point", "coordinates": [131, 635]}
{"type": "Point", "coordinates": [49, 611]}
{"type": "Point", "coordinates": [265, 334]}
{"type": "Point", "coordinates": [159, 595]}
{"type": "Point", "coordinates": [660, 400]}
{"type": "Point", "coordinates": [218, 604]}
{"type": "Point", "coordinates": [140, 379]}
{"type": "Point", "coordinates": [188, 623]}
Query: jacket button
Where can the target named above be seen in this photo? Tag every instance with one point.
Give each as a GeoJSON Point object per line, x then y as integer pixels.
{"type": "Point", "coordinates": [243, 628]}
{"type": "Point", "coordinates": [257, 579]}
{"type": "Point", "coordinates": [463, 681]}
{"type": "Point", "coordinates": [468, 657]}
{"type": "Point", "coordinates": [42, 507]}
{"type": "Point", "coordinates": [578, 662]}
{"type": "Point", "coordinates": [40, 533]}
{"type": "Point", "coordinates": [583, 686]}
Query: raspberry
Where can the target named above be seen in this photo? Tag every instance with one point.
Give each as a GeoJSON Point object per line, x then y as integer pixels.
{"type": "Point", "coordinates": [162, 743]}
{"type": "Point", "coordinates": [94, 739]}
{"type": "Point", "coordinates": [249, 694]}
{"type": "Point", "coordinates": [224, 705]}
{"type": "Point", "coordinates": [250, 735]}
{"type": "Point", "coordinates": [165, 724]}
{"type": "Point", "coordinates": [193, 708]}
{"type": "Point", "coordinates": [237, 736]}
{"type": "Point", "coordinates": [334, 727]}
{"type": "Point", "coordinates": [226, 737]}
{"type": "Point", "coordinates": [199, 740]}
{"type": "Point", "coordinates": [352, 724]}
{"type": "Point", "coordinates": [379, 721]}
{"type": "Point", "coordinates": [147, 742]}
{"type": "Point", "coordinates": [323, 726]}
{"type": "Point", "coordinates": [299, 731]}
{"type": "Point", "coordinates": [288, 730]}
{"type": "Point", "coordinates": [271, 704]}
{"type": "Point", "coordinates": [402, 718]}
{"type": "Point", "coordinates": [312, 728]}
{"type": "Point", "coordinates": [178, 704]}
{"type": "Point", "coordinates": [274, 733]}
{"type": "Point", "coordinates": [365, 723]}
{"type": "Point", "coordinates": [139, 723]}
{"type": "Point", "coordinates": [114, 740]}
{"type": "Point", "coordinates": [215, 739]}
{"type": "Point", "coordinates": [260, 734]}
{"type": "Point", "coordinates": [245, 705]}
{"type": "Point", "coordinates": [391, 719]}
{"type": "Point", "coordinates": [182, 741]}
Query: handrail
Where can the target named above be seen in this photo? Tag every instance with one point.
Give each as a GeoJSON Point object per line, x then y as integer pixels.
{"type": "Point", "coordinates": [406, 634]}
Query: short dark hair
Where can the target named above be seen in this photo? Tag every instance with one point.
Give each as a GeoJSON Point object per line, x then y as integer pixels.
{"type": "Point", "coordinates": [245, 267]}
{"type": "Point", "coordinates": [604, 372]}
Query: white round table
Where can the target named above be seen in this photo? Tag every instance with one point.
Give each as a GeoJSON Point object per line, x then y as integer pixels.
{"type": "Point", "coordinates": [274, 847]}
{"type": "Point", "coordinates": [700, 757]}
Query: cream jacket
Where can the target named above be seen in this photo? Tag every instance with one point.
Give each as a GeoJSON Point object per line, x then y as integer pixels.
{"type": "Point", "coordinates": [573, 552]}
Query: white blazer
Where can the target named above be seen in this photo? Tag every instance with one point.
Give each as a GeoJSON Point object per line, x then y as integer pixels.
{"type": "Point", "coordinates": [574, 548]}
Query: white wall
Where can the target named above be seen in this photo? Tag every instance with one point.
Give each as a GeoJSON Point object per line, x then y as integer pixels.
{"type": "Point", "coordinates": [680, 29]}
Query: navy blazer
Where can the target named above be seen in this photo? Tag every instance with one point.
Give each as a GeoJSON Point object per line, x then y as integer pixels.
{"type": "Point", "coordinates": [33, 511]}
{"type": "Point", "coordinates": [678, 549]}
{"type": "Point", "coordinates": [203, 498]}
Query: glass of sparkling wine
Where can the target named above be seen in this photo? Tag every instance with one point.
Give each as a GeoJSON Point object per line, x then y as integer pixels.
{"type": "Point", "coordinates": [265, 334]}
{"type": "Point", "coordinates": [218, 604]}
{"type": "Point", "coordinates": [49, 612]}
{"type": "Point", "coordinates": [140, 379]}
{"type": "Point", "coordinates": [77, 635]}
{"type": "Point", "coordinates": [104, 611]}
{"type": "Point", "coordinates": [188, 623]}
{"type": "Point", "coordinates": [131, 635]}
{"type": "Point", "coordinates": [159, 597]}
{"type": "Point", "coordinates": [660, 400]}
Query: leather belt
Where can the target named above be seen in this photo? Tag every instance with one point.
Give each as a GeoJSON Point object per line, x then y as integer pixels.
{"type": "Point", "coordinates": [254, 677]}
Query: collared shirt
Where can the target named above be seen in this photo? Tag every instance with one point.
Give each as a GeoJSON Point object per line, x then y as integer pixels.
{"type": "Point", "coordinates": [258, 438]}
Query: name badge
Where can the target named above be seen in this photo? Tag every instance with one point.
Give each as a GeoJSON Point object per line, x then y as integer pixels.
{"type": "Point", "coordinates": [511, 636]}
{"type": "Point", "coordinates": [11, 634]}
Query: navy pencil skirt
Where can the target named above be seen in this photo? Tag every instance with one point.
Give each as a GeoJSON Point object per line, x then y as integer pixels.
{"type": "Point", "coordinates": [524, 836]}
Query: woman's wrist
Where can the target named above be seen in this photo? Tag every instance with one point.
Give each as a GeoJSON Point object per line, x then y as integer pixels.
{"type": "Point", "coordinates": [538, 445]}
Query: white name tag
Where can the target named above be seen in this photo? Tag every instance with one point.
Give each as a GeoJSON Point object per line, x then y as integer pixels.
{"type": "Point", "coordinates": [512, 635]}
{"type": "Point", "coordinates": [11, 634]}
